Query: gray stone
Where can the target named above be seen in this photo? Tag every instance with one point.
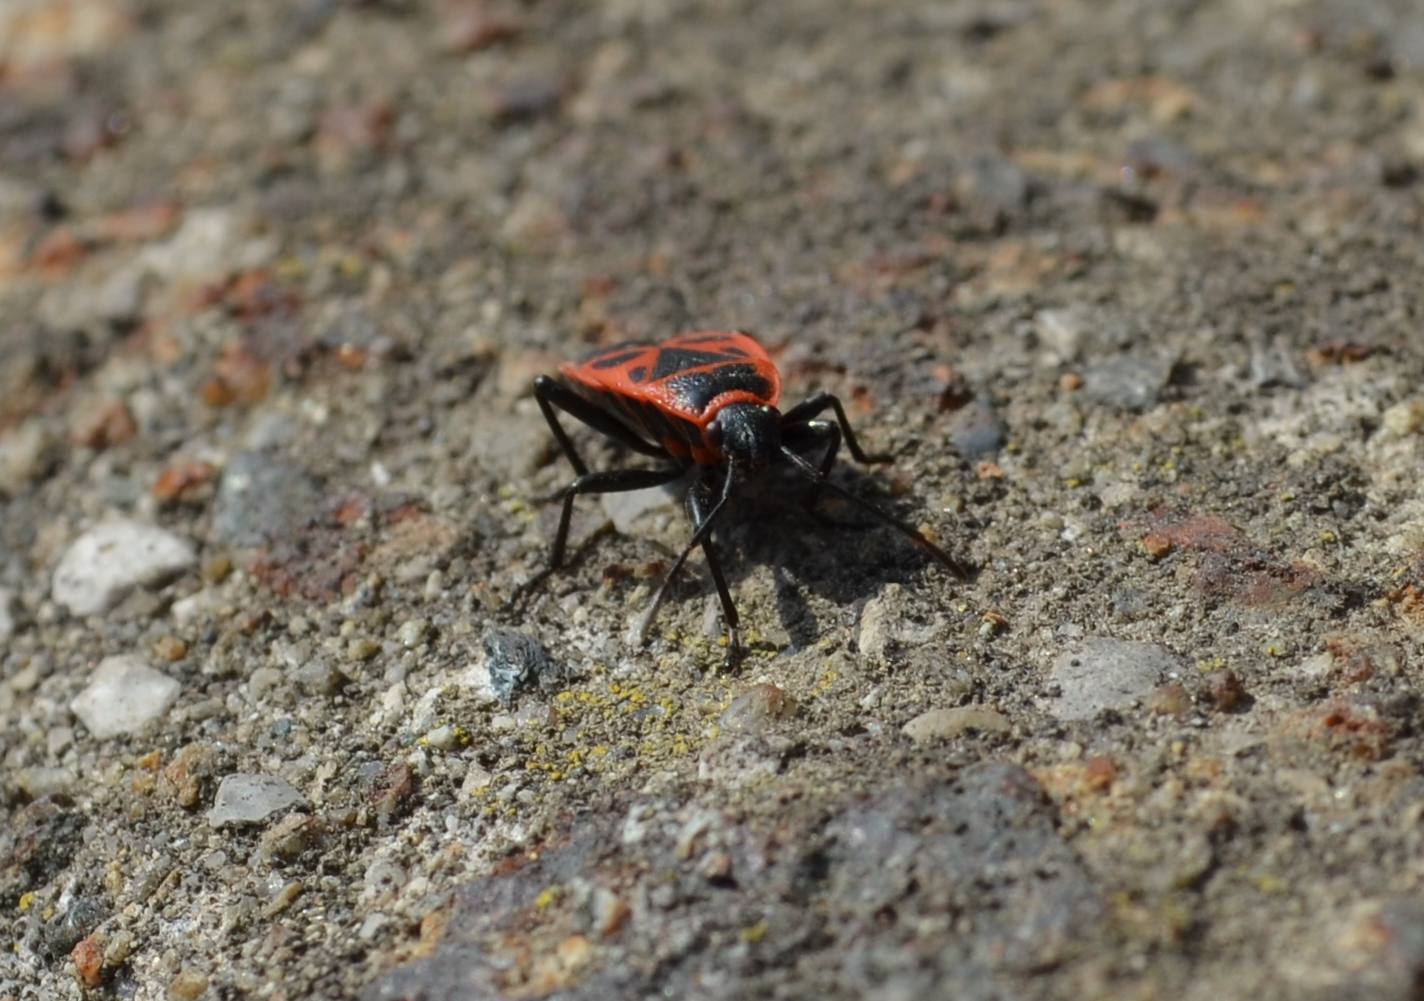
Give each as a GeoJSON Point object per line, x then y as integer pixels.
{"type": "Point", "coordinates": [113, 558]}
{"type": "Point", "coordinates": [261, 499]}
{"type": "Point", "coordinates": [21, 457]}
{"type": "Point", "coordinates": [1126, 382]}
{"type": "Point", "coordinates": [756, 709]}
{"type": "Point", "coordinates": [7, 620]}
{"type": "Point", "coordinates": [625, 508]}
{"type": "Point", "coordinates": [246, 798]}
{"type": "Point", "coordinates": [1105, 673]}
{"type": "Point", "coordinates": [124, 696]}
{"type": "Point", "coordinates": [514, 660]}
{"type": "Point", "coordinates": [977, 431]}
{"type": "Point", "coordinates": [942, 724]}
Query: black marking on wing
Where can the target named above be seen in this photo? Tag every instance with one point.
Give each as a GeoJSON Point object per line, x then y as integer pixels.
{"type": "Point", "coordinates": [613, 357]}
{"type": "Point", "coordinates": [674, 360]}
{"type": "Point", "coordinates": [697, 389]}
{"type": "Point", "coordinates": [638, 374]}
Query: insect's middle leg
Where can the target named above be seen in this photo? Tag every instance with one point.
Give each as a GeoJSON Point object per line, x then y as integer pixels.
{"type": "Point", "coordinates": [700, 501]}
{"type": "Point", "coordinates": [609, 482]}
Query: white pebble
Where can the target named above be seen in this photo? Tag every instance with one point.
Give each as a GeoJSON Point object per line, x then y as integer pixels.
{"type": "Point", "coordinates": [124, 696]}
{"type": "Point", "coordinates": [109, 560]}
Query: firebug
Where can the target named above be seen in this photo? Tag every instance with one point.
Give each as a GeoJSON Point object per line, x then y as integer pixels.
{"type": "Point", "coordinates": [704, 402]}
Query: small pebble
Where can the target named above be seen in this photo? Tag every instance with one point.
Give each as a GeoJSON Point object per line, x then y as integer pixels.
{"type": "Point", "coordinates": [756, 709]}
{"type": "Point", "coordinates": [443, 738]}
{"type": "Point", "coordinates": [188, 985]}
{"type": "Point", "coordinates": [476, 782]}
{"type": "Point", "coordinates": [625, 508]}
{"type": "Point", "coordinates": [1126, 382]}
{"type": "Point", "coordinates": [1226, 691]}
{"type": "Point", "coordinates": [124, 696]}
{"type": "Point", "coordinates": [412, 633]}
{"type": "Point", "coordinates": [283, 898]}
{"type": "Point", "coordinates": [320, 677]}
{"type": "Point", "coordinates": [942, 724]}
{"type": "Point", "coordinates": [1106, 673]}
{"type": "Point", "coordinates": [290, 836]}
{"type": "Point", "coordinates": [1156, 545]}
{"type": "Point", "coordinates": [260, 499]}
{"type": "Point", "coordinates": [113, 558]}
{"type": "Point", "coordinates": [514, 660]}
{"type": "Point", "coordinates": [21, 457]}
{"type": "Point", "coordinates": [170, 648]}
{"type": "Point", "coordinates": [7, 621]}
{"type": "Point", "coordinates": [362, 649]}
{"type": "Point", "coordinates": [977, 432]}
{"type": "Point", "coordinates": [1170, 700]}
{"type": "Point", "coordinates": [245, 798]}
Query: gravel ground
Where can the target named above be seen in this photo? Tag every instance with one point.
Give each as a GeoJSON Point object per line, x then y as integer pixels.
{"type": "Point", "coordinates": [1131, 291]}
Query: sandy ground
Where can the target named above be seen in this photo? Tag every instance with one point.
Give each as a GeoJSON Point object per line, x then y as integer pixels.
{"type": "Point", "coordinates": [1131, 291]}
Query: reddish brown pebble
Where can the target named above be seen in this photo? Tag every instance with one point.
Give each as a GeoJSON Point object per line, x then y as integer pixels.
{"type": "Point", "coordinates": [989, 471]}
{"type": "Point", "coordinates": [469, 26]}
{"type": "Point", "coordinates": [146, 221]}
{"type": "Point", "coordinates": [1099, 773]}
{"type": "Point", "coordinates": [88, 957]}
{"type": "Point", "coordinates": [717, 867]}
{"type": "Point", "coordinates": [181, 480]}
{"type": "Point", "coordinates": [1225, 690]}
{"type": "Point", "coordinates": [103, 426]}
{"type": "Point", "coordinates": [1070, 382]}
{"type": "Point", "coordinates": [1156, 545]}
{"type": "Point", "coordinates": [58, 253]}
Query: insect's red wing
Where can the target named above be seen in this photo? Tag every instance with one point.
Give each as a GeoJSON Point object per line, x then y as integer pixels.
{"type": "Point", "coordinates": [681, 376]}
{"type": "Point", "coordinates": [620, 368]}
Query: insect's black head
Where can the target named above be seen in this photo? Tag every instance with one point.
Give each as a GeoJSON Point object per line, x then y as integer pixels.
{"type": "Point", "coordinates": [747, 433]}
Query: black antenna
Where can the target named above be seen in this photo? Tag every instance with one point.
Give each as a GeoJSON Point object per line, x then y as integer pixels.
{"type": "Point", "coordinates": [813, 474]}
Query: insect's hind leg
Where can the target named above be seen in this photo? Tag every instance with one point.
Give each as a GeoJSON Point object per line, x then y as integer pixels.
{"type": "Point", "coordinates": [550, 393]}
{"type": "Point", "coordinates": [803, 413]}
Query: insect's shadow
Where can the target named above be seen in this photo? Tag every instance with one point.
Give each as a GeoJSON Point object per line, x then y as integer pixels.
{"type": "Point", "coordinates": [831, 550]}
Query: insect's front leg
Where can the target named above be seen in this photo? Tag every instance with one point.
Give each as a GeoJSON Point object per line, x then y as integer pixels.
{"type": "Point", "coordinates": [803, 413]}
{"type": "Point", "coordinates": [808, 434]}
{"type": "Point", "coordinates": [699, 504]}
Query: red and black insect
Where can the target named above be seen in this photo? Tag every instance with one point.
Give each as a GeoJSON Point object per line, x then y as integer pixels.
{"type": "Point", "coordinates": [708, 401]}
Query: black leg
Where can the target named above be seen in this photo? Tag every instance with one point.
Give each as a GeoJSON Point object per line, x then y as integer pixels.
{"type": "Point", "coordinates": [699, 505]}
{"type": "Point", "coordinates": [699, 536]}
{"type": "Point", "coordinates": [818, 404]}
{"type": "Point", "coordinates": [808, 434]}
{"type": "Point", "coordinates": [551, 393]}
{"type": "Point", "coordinates": [611, 481]}
{"type": "Point", "coordinates": [810, 472]}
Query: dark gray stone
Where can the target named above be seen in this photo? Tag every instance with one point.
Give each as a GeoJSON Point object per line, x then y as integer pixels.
{"type": "Point", "coordinates": [260, 499]}
{"type": "Point", "coordinates": [516, 660]}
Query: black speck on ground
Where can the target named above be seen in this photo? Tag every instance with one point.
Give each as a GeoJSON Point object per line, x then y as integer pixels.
{"type": "Point", "coordinates": [1129, 290]}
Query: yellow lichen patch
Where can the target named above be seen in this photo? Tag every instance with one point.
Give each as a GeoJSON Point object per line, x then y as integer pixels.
{"type": "Point", "coordinates": [753, 934]}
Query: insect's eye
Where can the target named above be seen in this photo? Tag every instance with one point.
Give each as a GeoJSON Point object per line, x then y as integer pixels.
{"type": "Point", "coordinates": [714, 434]}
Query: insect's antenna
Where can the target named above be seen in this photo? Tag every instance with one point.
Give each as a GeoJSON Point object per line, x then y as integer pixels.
{"type": "Point", "coordinates": [640, 628]}
{"type": "Point", "coordinates": [813, 474]}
